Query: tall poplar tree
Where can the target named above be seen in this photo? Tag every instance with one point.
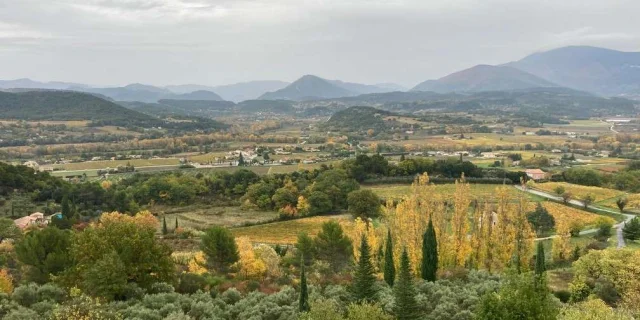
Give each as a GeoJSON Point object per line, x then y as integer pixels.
{"type": "Point", "coordinates": [406, 306]}
{"type": "Point", "coordinates": [429, 254]}
{"type": "Point", "coordinates": [389, 266]}
{"type": "Point", "coordinates": [364, 280]}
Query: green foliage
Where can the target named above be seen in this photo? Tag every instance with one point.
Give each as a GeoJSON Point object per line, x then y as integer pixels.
{"type": "Point", "coordinates": [604, 229]}
{"type": "Point", "coordinates": [583, 176]}
{"type": "Point", "coordinates": [333, 246]}
{"type": "Point", "coordinates": [45, 253]}
{"type": "Point", "coordinates": [164, 225]}
{"type": "Point", "coordinates": [429, 266]}
{"type": "Point", "coordinates": [219, 245]}
{"type": "Point", "coordinates": [406, 307]}
{"type": "Point", "coordinates": [66, 208]}
{"type": "Point", "coordinates": [303, 304]}
{"type": "Point", "coordinates": [129, 247]}
{"type": "Point", "coordinates": [522, 296]}
{"type": "Point", "coordinates": [9, 230]}
{"type": "Point", "coordinates": [364, 204]}
{"type": "Point", "coordinates": [364, 281]}
{"type": "Point", "coordinates": [541, 220]}
{"type": "Point", "coordinates": [306, 250]}
{"type": "Point", "coordinates": [336, 184]}
{"type": "Point", "coordinates": [621, 203]}
{"type": "Point", "coordinates": [389, 264]}
{"type": "Point", "coordinates": [631, 229]}
{"type": "Point", "coordinates": [319, 203]}
{"type": "Point", "coordinates": [541, 267]}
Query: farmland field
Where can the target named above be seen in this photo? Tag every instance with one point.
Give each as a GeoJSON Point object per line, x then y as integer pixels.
{"type": "Point", "coordinates": [285, 232]}
{"type": "Point", "coordinates": [397, 191]}
{"type": "Point", "coordinates": [201, 216]}
{"type": "Point", "coordinates": [579, 192]}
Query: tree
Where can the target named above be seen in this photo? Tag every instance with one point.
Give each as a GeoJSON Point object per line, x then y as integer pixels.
{"type": "Point", "coordinates": [593, 309]}
{"type": "Point", "coordinates": [621, 203]}
{"type": "Point", "coordinates": [364, 204]}
{"type": "Point", "coordinates": [587, 200]}
{"type": "Point", "coordinates": [219, 245]}
{"type": "Point", "coordinates": [406, 306]}
{"type": "Point", "coordinates": [126, 248]}
{"type": "Point", "coordinates": [566, 197]}
{"type": "Point", "coordinates": [429, 254]}
{"type": "Point", "coordinates": [319, 202]}
{"type": "Point", "coordinates": [66, 208]}
{"type": "Point", "coordinates": [176, 223]}
{"type": "Point", "coordinates": [249, 264]}
{"type": "Point", "coordinates": [559, 190]}
{"type": "Point", "coordinates": [164, 225]}
{"type": "Point", "coordinates": [45, 252]}
{"type": "Point", "coordinates": [631, 229]}
{"type": "Point", "coordinates": [241, 160]}
{"type": "Point", "coordinates": [521, 296]}
{"type": "Point", "coordinates": [541, 220]}
{"type": "Point", "coordinates": [303, 303]}
{"type": "Point", "coordinates": [604, 229]}
{"type": "Point", "coordinates": [389, 263]}
{"type": "Point", "coordinates": [540, 260]}
{"type": "Point", "coordinates": [305, 249]}
{"type": "Point", "coordinates": [9, 230]}
{"type": "Point", "coordinates": [333, 246]}
{"type": "Point", "coordinates": [364, 281]}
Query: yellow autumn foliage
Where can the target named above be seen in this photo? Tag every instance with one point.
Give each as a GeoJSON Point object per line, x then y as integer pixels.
{"type": "Point", "coordinates": [6, 282]}
{"type": "Point", "coordinates": [249, 264]}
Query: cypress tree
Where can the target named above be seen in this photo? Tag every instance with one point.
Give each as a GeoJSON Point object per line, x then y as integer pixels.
{"type": "Point", "coordinates": [164, 225]}
{"type": "Point", "coordinates": [389, 266]}
{"type": "Point", "coordinates": [303, 303]}
{"type": "Point", "coordinates": [364, 280]}
{"type": "Point", "coordinates": [406, 306]}
{"type": "Point", "coordinates": [66, 208]}
{"type": "Point", "coordinates": [176, 222]}
{"type": "Point", "coordinates": [540, 263]}
{"type": "Point", "coordinates": [429, 254]}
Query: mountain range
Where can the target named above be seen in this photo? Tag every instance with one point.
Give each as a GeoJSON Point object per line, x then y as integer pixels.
{"type": "Point", "coordinates": [600, 71]}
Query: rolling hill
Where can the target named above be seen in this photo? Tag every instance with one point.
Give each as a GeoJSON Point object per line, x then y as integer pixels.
{"type": "Point", "coordinates": [64, 105]}
{"type": "Point", "coordinates": [198, 95]}
{"type": "Point", "coordinates": [357, 118]}
{"type": "Point", "coordinates": [484, 78]}
{"type": "Point", "coordinates": [599, 70]}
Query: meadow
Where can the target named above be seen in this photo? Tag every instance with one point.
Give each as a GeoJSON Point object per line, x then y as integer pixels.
{"type": "Point", "coordinates": [285, 232]}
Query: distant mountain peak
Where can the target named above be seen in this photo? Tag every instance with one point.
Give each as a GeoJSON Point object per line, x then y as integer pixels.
{"type": "Point", "coordinates": [484, 77]}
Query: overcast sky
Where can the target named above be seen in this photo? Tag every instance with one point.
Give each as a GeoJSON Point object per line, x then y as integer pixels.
{"type": "Point", "coordinates": [212, 42]}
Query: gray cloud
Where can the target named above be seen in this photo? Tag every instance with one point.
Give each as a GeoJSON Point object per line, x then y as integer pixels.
{"type": "Point", "coordinates": [222, 41]}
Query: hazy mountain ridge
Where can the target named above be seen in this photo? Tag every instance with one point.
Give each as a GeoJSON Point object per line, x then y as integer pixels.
{"type": "Point", "coordinates": [484, 78]}
{"type": "Point", "coordinates": [593, 69]}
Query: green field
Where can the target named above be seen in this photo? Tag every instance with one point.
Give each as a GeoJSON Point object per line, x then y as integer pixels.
{"type": "Point", "coordinates": [202, 216]}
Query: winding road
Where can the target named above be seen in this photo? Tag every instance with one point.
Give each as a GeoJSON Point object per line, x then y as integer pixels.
{"type": "Point", "coordinates": [618, 227]}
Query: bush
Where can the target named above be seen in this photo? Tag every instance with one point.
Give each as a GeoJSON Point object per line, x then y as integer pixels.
{"type": "Point", "coordinates": [191, 283]}
{"type": "Point", "coordinates": [562, 295]}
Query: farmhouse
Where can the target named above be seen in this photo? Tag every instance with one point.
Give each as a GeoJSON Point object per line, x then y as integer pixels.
{"type": "Point", "coordinates": [535, 174]}
{"type": "Point", "coordinates": [34, 219]}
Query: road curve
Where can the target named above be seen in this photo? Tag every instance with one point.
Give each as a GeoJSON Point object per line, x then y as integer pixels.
{"type": "Point", "coordinates": [618, 227]}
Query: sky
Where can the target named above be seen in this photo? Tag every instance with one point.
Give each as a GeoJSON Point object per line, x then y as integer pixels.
{"type": "Point", "coordinates": [215, 42]}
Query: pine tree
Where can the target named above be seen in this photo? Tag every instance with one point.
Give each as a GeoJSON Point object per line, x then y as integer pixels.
{"type": "Point", "coordinates": [631, 229]}
{"type": "Point", "coordinates": [540, 260]}
{"type": "Point", "coordinates": [364, 280]}
{"type": "Point", "coordinates": [303, 303]}
{"type": "Point", "coordinates": [429, 254]}
{"type": "Point", "coordinates": [389, 266]}
{"type": "Point", "coordinates": [406, 306]}
{"type": "Point", "coordinates": [164, 225]}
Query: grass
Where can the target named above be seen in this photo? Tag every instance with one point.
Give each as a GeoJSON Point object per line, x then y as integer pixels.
{"type": "Point", "coordinates": [87, 165]}
{"type": "Point", "coordinates": [203, 216]}
{"type": "Point", "coordinates": [284, 232]}
{"type": "Point", "coordinates": [397, 191]}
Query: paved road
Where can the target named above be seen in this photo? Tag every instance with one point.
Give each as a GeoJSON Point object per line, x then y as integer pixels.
{"type": "Point", "coordinates": [618, 227]}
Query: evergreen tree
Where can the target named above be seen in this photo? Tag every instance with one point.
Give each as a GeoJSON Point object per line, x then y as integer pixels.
{"type": "Point", "coordinates": [164, 225]}
{"type": "Point", "coordinates": [241, 160]}
{"type": "Point", "coordinates": [176, 222]}
{"type": "Point", "coordinates": [429, 254]}
{"type": "Point", "coordinates": [66, 208]}
{"type": "Point", "coordinates": [364, 280]}
{"type": "Point", "coordinates": [631, 229]}
{"type": "Point", "coordinates": [540, 260]}
{"type": "Point", "coordinates": [406, 306]}
{"type": "Point", "coordinates": [219, 245]}
{"type": "Point", "coordinates": [389, 266]}
{"type": "Point", "coordinates": [333, 246]}
{"type": "Point", "coordinates": [303, 304]}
